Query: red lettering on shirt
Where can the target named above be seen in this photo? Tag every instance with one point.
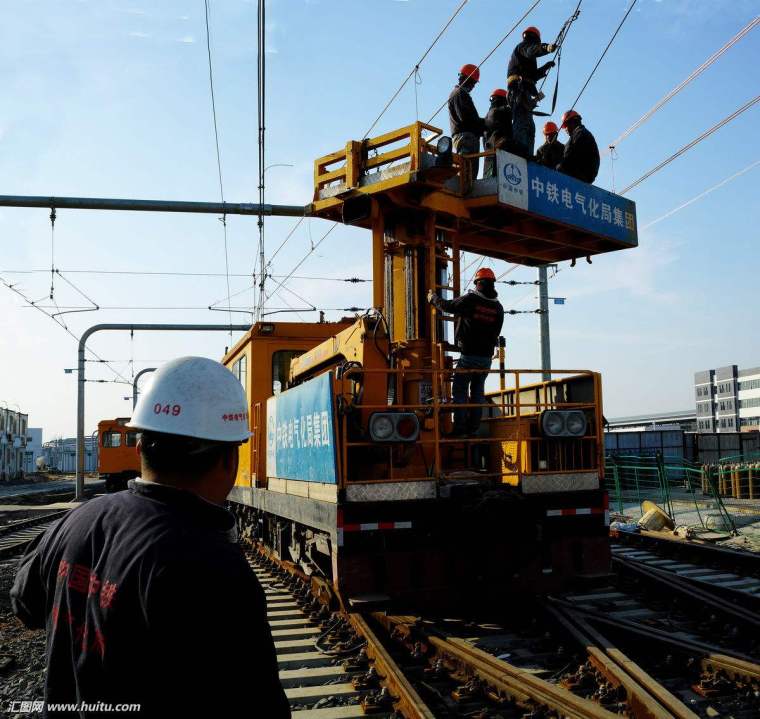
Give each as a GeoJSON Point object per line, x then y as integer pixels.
{"type": "Point", "coordinates": [107, 594]}
{"type": "Point", "coordinates": [79, 578]}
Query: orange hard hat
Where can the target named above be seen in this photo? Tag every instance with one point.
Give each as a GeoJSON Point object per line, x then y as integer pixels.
{"type": "Point", "coordinates": [499, 92]}
{"type": "Point", "coordinates": [533, 30]}
{"type": "Point", "coordinates": [470, 71]}
{"type": "Point", "coordinates": [569, 115]}
{"type": "Point", "coordinates": [550, 128]}
{"type": "Point", "coordinates": [485, 273]}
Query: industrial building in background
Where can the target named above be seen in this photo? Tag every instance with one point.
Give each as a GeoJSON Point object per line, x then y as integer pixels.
{"type": "Point", "coordinates": [61, 454]}
{"type": "Point", "coordinates": [13, 440]}
{"type": "Point", "coordinates": [728, 399]}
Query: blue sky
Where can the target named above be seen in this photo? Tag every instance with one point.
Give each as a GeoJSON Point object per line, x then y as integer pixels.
{"type": "Point", "coordinates": [111, 99]}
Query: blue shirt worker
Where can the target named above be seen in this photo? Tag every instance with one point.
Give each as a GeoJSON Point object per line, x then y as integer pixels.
{"type": "Point", "coordinates": [523, 73]}
{"type": "Point", "coordinates": [146, 596]}
{"type": "Point", "coordinates": [479, 317]}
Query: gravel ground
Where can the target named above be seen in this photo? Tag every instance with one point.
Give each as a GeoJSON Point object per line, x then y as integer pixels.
{"type": "Point", "coordinates": [24, 678]}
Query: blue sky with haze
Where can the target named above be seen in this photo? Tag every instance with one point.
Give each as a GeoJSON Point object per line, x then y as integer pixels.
{"type": "Point", "coordinates": [111, 99]}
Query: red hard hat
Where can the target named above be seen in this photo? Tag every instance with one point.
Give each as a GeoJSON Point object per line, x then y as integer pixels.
{"type": "Point", "coordinates": [569, 115]}
{"type": "Point", "coordinates": [550, 128]}
{"type": "Point", "coordinates": [470, 71]}
{"type": "Point", "coordinates": [485, 273]}
{"type": "Point", "coordinates": [532, 29]}
{"type": "Point", "coordinates": [499, 92]}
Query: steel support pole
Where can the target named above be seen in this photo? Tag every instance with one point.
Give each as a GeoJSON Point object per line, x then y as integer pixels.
{"type": "Point", "coordinates": [543, 321]}
{"type": "Point", "coordinates": [80, 453]}
{"type": "Point", "coordinates": [101, 203]}
{"type": "Point", "coordinates": [134, 383]}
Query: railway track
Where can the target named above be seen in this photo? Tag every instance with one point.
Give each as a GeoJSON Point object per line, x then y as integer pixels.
{"type": "Point", "coordinates": [16, 536]}
{"type": "Point", "coordinates": [603, 654]}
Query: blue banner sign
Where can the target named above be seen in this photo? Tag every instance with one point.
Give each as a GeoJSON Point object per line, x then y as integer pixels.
{"type": "Point", "coordinates": [301, 432]}
{"type": "Point", "coordinates": [552, 194]}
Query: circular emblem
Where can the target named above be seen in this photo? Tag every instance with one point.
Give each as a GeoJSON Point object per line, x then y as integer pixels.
{"type": "Point", "coordinates": [512, 174]}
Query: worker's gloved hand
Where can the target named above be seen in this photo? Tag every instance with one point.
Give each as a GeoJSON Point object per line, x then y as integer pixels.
{"type": "Point", "coordinates": [551, 47]}
{"type": "Point", "coordinates": [540, 96]}
{"type": "Point", "coordinates": [550, 64]}
{"type": "Point", "coordinates": [433, 298]}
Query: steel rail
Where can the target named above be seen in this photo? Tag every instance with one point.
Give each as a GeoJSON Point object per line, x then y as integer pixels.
{"type": "Point", "coordinates": [135, 205]}
{"type": "Point", "coordinates": [646, 695]}
{"type": "Point", "coordinates": [17, 535]}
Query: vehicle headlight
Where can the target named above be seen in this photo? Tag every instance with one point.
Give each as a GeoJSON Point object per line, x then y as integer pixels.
{"type": "Point", "coordinates": [380, 427]}
{"type": "Point", "coordinates": [552, 423]}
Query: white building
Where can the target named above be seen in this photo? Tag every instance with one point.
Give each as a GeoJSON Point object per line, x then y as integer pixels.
{"type": "Point", "coordinates": [33, 449]}
{"type": "Point", "coordinates": [61, 454]}
{"type": "Point", "coordinates": [13, 439]}
{"type": "Point", "coordinates": [728, 399]}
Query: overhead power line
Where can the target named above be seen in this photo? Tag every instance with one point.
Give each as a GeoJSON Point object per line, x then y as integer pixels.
{"type": "Point", "coordinates": [693, 76]}
{"type": "Point", "coordinates": [601, 57]}
{"type": "Point", "coordinates": [694, 142]}
{"type": "Point", "coordinates": [700, 195]}
{"type": "Point", "coordinates": [414, 70]}
{"type": "Point", "coordinates": [493, 50]}
{"type": "Point", "coordinates": [218, 152]}
{"type": "Point", "coordinates": [149, 273]}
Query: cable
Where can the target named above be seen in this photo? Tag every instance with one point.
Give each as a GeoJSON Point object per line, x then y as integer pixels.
{"type": "Point", "coordinates": [287, 237]}
{"type": "Point", "coordinates": [149, 273]}
{"type": "Point", "coordinates": [487, 57]}
{"type": "Point", "coordinates": [601, 57]}
{"type": "Point", "coordinates": [415, 68]}
{"type": "Point", "coordinates": [218, 152]}
{"type": "Point", "coordinates": [76, 338]}
{"type": "Point", "coordinates": [695, 74]}
{"type": "Point", "coordinates": [700, 195]}
{"type": "Point", "coordinates": [694, 142]}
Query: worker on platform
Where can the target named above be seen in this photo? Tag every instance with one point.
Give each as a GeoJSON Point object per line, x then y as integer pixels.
{"type": "Point", "coordinates": [581, 156]}
{"type": "Point", "coordinates": [522, 75]}
{"type": "Point", "coordinates": [498, 135]}
{"type": "Point", "coordinates": [478, 319]}
{"type": "Point", "coordinates": [466, 125]}
{"type": "Point", "coordinates": [145, 594]}
{"type": "Point", "coordinates": [551, 152]}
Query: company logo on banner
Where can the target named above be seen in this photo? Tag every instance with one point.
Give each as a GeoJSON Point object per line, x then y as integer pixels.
{"type": "Point", "coordinates": [301, 432]}
{"type": "Point", "coordinates": [549, 193]}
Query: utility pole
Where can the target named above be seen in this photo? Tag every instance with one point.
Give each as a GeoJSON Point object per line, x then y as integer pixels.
{"type": "Point", "coordinates": [543, 321]}
{"type": "Point", "coordinates": [134, 383]}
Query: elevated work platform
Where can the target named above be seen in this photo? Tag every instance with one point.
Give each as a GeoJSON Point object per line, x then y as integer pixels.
{"type": "Point", "coordinates": [527, 214]}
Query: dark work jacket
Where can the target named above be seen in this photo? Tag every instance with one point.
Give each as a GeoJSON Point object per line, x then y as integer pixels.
{"type": "Point", "coordinates": [523, 60]}
{"type": "Point", "coordinates": [550, 154]}
{"type": "Point", "coordinates": [477, 324]}
{"type": "Point", "coordinates": [581, 156]}
{"type": "Point", "coordinates": [498, 122]}
{"type": "Point", "coordinates": [463, 117]}
{"type": "Point", "coordinates": [147, 599]}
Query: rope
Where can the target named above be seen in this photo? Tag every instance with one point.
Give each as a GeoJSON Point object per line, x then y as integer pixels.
{"type": "Point", "coordinates": [223, 218]}
{"type": "Point", "coordinates": [694, 142]}
{"type": "Point", "coordinates": [700, 195]}
{"type": "Point", "coordinates": [601, 57]}
{"type": "Point", "coordinates": [416, 67]}
{"type": "Point", "coordinates": [695, 74]}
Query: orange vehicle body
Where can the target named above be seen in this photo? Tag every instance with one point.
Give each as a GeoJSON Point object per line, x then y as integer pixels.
{"type": "Point", "coordinates": [118, 460]}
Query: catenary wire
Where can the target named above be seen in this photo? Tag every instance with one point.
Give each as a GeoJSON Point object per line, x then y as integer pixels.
{"type": "Point", "coordinates": [693, 76]}
{"type": "Point", "coordinates": [218, 151]}
{"type": "Point", "coordinates": [416, 67]}
{"type": "Point", "coordinates": [691, 144]}
{"type": "Point", "coordinates": [493, 50]}
{"type": "Point", "coordinates": [149, 273]}
{"type": "Point", "coordinates": [700, 195]}
{"type": "Point", "coordinates": [601, 57]}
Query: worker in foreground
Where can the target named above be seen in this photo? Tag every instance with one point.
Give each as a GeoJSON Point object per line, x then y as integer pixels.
{"type": "Point", "coordinates": [479, 317]}
{"type": "Point", "coordinates": [145, 594]}
{"type": "Point", "coordinates": [522, 75]}
{"type": "Point", "coordinates": [498, 136]}
{"type": "Point", "coordinates": [551, 152]}
{"type": "Point", "coordinates": [466, 125]}
{"type": "Point", "coordinates": [581, 155]}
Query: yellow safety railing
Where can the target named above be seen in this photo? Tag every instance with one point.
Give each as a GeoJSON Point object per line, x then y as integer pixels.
{"type": "Point", "coordinates": [519, 405]}
{"type": "Point", "coordinates": [345, 167]}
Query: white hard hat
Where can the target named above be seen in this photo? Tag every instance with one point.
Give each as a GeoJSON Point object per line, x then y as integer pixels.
{"type": "Point", "coordinates": [194, 397]}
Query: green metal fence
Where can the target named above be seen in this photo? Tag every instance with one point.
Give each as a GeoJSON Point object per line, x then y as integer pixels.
{"type": "Point", "coordinates": [684, 490]}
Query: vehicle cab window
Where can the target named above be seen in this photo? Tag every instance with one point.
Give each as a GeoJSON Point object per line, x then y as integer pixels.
{"type": "Point", "coordinates": [130, 440]}
{"type": "Point", "coordinates": [281, 360]}
{"type": "Point", "coordinates": [111, 440]}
